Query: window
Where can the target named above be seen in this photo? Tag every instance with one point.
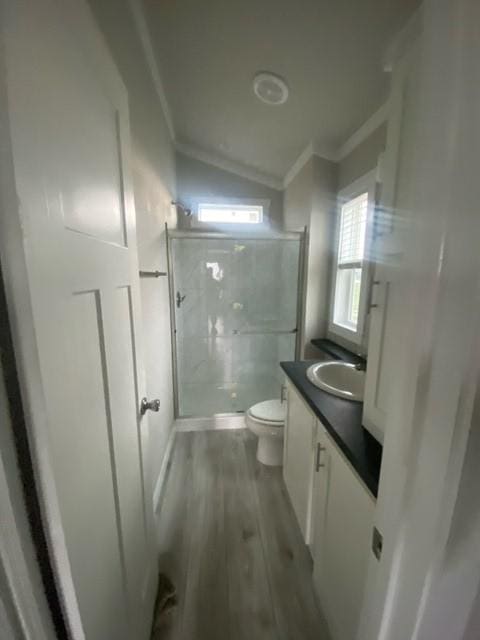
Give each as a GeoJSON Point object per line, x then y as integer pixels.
{"type": "Point", "coordinates": [350, 273]}
{"type": "Point", "coordinates": [230, 213]}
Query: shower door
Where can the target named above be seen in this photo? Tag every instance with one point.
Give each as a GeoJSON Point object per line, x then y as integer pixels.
{"type": "Point", "coordinates": [235, 306]}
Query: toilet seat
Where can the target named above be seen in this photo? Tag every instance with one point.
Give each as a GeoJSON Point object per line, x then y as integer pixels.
{"type": "Point", "coordinates": [271, 412]}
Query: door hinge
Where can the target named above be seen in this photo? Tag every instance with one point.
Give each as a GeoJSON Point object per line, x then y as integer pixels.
{"type": "Point", "coordinates": [180, 299]}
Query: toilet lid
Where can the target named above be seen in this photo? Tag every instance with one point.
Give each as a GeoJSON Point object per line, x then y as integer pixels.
{"type": "Point", "coordinates": [270, 410]}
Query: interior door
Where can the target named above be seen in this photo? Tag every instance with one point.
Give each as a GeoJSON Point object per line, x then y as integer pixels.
{"type": "Point", "coordinates": [69, 135]}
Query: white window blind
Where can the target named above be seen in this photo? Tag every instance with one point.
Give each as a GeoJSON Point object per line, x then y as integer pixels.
{"type": "Point", "coordinates": [351, 246]}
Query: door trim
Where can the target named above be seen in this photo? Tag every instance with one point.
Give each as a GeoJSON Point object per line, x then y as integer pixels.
{"type": "Point", "coordinates": [173, 325]}
{"type": "Point", "coordinates": [160, 482]}
{"type": "Point", "coordinates": [38, 610]}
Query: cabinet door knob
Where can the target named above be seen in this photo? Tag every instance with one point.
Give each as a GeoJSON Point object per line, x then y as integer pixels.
{"type": "Point", "coordinates": [319, 464]}
{"type": "Point", "coordinates": [152, 405]}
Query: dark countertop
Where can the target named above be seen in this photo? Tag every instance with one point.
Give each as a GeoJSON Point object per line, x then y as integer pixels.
{"type": "Point", "coordinates": [343, 421]}
{"type": "Point", "coordinates": [336, 351]}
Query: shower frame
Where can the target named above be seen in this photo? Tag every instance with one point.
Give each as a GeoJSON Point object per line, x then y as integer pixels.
{"type": "Point", "coordinates": [226, 420]}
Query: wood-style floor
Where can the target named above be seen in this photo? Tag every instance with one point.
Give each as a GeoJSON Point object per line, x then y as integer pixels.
{"type": "Point", "coordinates": [230, 542]}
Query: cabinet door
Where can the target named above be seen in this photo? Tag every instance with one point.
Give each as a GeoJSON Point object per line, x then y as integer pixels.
{"type": "Point", "coordinates": [298, 459]}
{"type": "Point", "coordinates": [341, 560]}
{"type": "Point", "coordinates": [392, 224]}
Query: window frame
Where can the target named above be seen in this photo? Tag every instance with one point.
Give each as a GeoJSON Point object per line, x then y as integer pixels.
{"type": "Point", "coordinates": [365, 184]}
{"type": "Point", "coordinates": [231, 202]}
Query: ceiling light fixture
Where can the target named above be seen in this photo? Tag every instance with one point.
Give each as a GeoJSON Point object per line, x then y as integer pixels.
{"type": "Point", "coordinates": [270, 88]}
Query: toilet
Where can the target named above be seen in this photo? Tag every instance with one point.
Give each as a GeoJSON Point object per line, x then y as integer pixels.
{"type": "Point", "coordinates": [267, 420]}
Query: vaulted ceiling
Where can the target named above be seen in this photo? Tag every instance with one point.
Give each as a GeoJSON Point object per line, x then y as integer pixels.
{"type": "Point", "coordinates": [329, 51]}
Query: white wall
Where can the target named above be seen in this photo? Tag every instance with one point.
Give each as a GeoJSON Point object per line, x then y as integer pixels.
{"type": "Point", "coordinates": [309, 200]}
{"type": "Point", "coordinates": [360, 161]}
{"type": "Point", "coordinates": [363, 158]}
{"type": "Point", "coordinates": [153, 168]}
{"type": "Point", "coordinates": [322, 224]}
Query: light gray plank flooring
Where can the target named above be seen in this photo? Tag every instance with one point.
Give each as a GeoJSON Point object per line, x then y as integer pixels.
{"type": "Point", "coordinates": [230, 543]}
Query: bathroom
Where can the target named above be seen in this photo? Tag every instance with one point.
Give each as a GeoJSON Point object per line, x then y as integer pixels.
{"type": "Point", "coordinates": [257, 305]}
{"type": "Point", "coordinates": [233, 269]}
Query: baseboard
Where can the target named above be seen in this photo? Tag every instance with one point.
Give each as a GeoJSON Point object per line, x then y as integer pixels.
{"type": "Point", "coordinates": [214, 423]}
{"type": "Point", "coordinates": [157, 492]}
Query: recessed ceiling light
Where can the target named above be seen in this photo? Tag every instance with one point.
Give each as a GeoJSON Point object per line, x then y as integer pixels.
{"type": "Point", "coordinates": [270, 88]}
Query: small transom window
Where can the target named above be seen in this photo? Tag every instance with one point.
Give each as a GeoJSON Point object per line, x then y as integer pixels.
{"type": "Point", "coordinates": [230, 213]}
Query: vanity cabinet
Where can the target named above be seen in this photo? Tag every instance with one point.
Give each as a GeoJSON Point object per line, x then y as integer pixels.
{"type": "Point", "coordinates": [343, 519]}
{"type": "Point", "coordinates": [298, 454]}
{"type": "Point", "coordinates": [335, 512]}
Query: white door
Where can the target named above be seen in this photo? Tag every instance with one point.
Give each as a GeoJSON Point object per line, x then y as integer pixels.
{"type": "Point", "coordinates": [388, 294]}
{"type": "Point", "coordinates": [298, 459]}
{"type": "Point", "coordinates": [69, 135]}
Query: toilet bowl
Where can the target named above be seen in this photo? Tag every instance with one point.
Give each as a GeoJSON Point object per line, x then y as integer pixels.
{"type": "Point", "coordinates": [266, 420]}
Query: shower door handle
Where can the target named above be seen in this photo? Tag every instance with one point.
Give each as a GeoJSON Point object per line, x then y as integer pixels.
{"type": "Point", "coordinates": [180, 299]}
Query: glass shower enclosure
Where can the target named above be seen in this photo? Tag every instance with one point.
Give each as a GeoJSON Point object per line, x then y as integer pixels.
{"type": "Point", "coordinates": [235, 319]}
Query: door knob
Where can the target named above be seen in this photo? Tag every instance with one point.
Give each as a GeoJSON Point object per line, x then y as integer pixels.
{"type": "Point", "coordinates": [145, 405]}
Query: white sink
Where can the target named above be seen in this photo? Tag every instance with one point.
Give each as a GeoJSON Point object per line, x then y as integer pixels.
{"type": "Point", "coordinates": [338, 378]}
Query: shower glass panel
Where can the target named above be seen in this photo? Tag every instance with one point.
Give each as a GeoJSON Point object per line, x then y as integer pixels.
{"type": "Point", "coordinates": [235, 320]}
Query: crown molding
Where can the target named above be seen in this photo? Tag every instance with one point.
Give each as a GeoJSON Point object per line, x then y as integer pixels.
{"type": "Point", "coordinates": [239, 169]}
{"type": "Point", "coordinates": [325, 152]}
{"type": "Point", "coordinates": [298, 165]}
{"type": "Point", "coordinates": [312, 149]}
{"type": "Point", "coordinates": [362, 133]}
{"type": "Point", "coordinates": [152, 64]}
{"type": "Point", "coordinates": [403, 40]}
